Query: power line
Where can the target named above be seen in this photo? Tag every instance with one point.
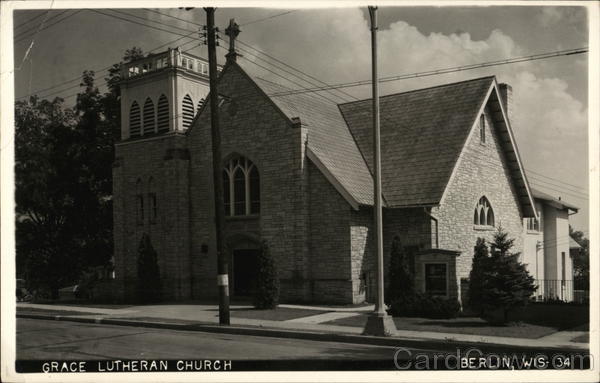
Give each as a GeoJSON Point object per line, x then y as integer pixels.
{"type": "Point", "coordinates": [285, 71]}
{"type": "Point", "coordinates": [153, 21]}
{"type": "Point", "coordinates": [35, 28]}
{"type": "Point", "coordinates": [267, 18]}
{"type": "Point", "coordinates": [554, 179]}
{"type": "Point", "coordinates": [561, 191]}
{"type": "Point", "coordinates": [174, 17]}
{"type": "Point", "coordinates": [30, 20]}
{"type": "Point", "coordinates": [142, 24]}
{"type": "Point", "coordinates": [283, 77]}
{"type": "Point", "coordinates": [541, 56]}
{"type": "Point", "coordinates": [297, 70]}
{"type": "Point", "coordinates": [50, 25]}
{"type": "Point", "coordinates": [566, 188]}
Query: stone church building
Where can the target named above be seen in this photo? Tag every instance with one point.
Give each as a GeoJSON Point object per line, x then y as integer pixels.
{"type": "Point", "coordinates": [297, 173]}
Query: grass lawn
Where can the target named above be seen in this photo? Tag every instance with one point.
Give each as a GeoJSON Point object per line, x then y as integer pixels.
{"type": "Point", "coordinates": [278, 314]}
{"type": "Point", "coordinates": [31, 310]}
{"type": "Point", "coordinates": [464, 325]}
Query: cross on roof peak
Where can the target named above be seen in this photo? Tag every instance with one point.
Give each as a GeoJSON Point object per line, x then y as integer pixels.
{"type": "Point", "coordinates": [233, 30]}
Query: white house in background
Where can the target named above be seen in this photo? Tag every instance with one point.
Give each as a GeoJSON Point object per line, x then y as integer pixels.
{"type": "Point", "coordinates": [547, 247]}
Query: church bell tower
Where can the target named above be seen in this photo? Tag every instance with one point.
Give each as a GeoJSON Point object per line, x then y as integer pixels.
{"type": "Point", "coordinates": [161, 93]}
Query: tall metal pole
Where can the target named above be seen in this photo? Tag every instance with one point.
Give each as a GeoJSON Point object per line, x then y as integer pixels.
{"type": "Point", "coordinates": [222, 264]}
{"type": "Point", "coordinates": [379, 323]}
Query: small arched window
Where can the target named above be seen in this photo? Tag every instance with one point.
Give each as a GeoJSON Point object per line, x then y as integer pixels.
{"type": "Point", "coordinates": [139, 202]}
{"type": "Point", "coordinates": [188, 111]}
{"type": "Point", "coordinates": [241, 187]}
{"type": "Point", "coordinates": [162, 114]}
{"type": "Point", "coordinates": [149, 122]}
{"type": "Point", "coordinates": [135, 122]}
{"type": "Point", "coordinates": [483, 214]}
{"type": "Point", "coordinates": [153, 207]}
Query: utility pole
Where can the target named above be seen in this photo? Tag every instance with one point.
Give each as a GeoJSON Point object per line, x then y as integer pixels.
{"type": "Point", "coordinates": [222, 264]}
{"type": "Point", "coordinates": [378, 323]}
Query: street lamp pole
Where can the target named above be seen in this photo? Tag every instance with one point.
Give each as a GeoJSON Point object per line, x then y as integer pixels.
{"type": "Point", "coordinates": [378, 323]}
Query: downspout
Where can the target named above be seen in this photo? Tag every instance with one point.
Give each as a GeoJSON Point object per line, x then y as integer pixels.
{"type": "Point", "coordinates": [437, 238]}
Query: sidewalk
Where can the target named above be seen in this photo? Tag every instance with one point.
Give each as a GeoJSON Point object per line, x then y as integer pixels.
{"type": "Point", "coordinates": [305, 322]}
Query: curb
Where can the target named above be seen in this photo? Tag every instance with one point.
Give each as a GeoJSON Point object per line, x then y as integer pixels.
{"type": "Point", "coordinates": [420, 343]}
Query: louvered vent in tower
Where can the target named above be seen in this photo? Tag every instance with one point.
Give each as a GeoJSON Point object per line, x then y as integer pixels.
{"type": "Point", "coordinates": [135, 123]}
{"type": "Point", "coordinates": [162, 114]}
{"type": "Point", "coordinates": [149, 123]}
{"type": "Point", "coordinates": [188, 111]}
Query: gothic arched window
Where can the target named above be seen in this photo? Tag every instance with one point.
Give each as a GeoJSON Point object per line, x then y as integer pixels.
{"type": "Point", "coordinates": [149, 122]}
{"type": "Point", "coordinates": [139, 202]}
{"type": "Point", "coordinates": [135, 123]}
{"type": "Point", "coordinates": [483, 214]}
{"type": "Point", "coordinates": [188, 111]}
{"type": "Point", "coordinates": [241, 187]}
{"type": "Point", "coordinates": [162, 114]}
{"type": "Point", "coordinates": [200, 104]}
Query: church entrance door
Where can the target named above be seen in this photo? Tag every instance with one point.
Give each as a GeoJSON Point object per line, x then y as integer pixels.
{"type": "Point", "coordinates": [244, 271]}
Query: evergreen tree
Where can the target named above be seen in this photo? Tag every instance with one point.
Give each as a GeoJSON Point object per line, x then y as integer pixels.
{"type": "Point", "coordinates": [148, 284]}
{"type": "Point", "coordinates": [266, 295]}
{"type": "Point", "coordinates": [401, 282]}
{"type": "Point", "coordinates": [476, 276]}
{"type": "Point", "coordinates": [506, 282]}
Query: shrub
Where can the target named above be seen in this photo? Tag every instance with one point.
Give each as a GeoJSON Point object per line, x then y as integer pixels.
{"type": "Point", "coordinates": [266, 295]}
{"type": "Point", "coordinates": [476, 276]}
{"type": "Point", "coordinates": [426, 306]}
{"type": "Point", "coordinates": [148, 283]}
{"type": "Point", "coordinates": [401, 282]}
{"type": "Point", "coordinates": [506, 284]}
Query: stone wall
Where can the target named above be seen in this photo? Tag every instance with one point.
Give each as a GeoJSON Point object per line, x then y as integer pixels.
{"type": "Point", "coordinates": [152, 166]}
{"type": "Point", "coordinates": [481, 171]}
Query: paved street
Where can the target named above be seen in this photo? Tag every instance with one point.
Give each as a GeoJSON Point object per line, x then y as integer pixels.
{"type": "Point", "coordinates": [58, 340]}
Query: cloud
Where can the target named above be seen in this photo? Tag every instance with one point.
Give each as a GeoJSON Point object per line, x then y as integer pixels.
{"type": "Point", "coordinates": [549, 16]}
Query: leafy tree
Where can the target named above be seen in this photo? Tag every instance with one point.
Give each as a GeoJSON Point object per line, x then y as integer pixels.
{"type": "Point", "coordinates": [581, 260]}
{"type": "Point", "coordinates": [63, 181]}
{"type": "Point", "coordinates": [401, 281]}
{"type": "Point", "coordinates": [148, 282]}
{"type": "Point", "coordinates": [506, 282]}
{"type": "Point", "coordinates": [266, 295]}
{"type": "Point", "coordinates": [476, 276]}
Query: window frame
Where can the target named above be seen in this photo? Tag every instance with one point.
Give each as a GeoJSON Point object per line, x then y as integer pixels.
{"type": "Point", "coordinates": [139, 209]}
{"type": "Point", "coordinates": [446, 277]}
{"type": "Point", "coordinates": [482, 129]}
{"type": "Point", "coordinates": [153, 208]}
{"type": "Point", "coordinates": [230, 169]}
{"type": "Point", "coordinates": [483, 208]}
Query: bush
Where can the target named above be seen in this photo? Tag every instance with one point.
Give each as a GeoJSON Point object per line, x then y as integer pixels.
{"type": "Point", "coordinates": [266, 295]}
{"type": "Point", "coordinates": [400, 277]}
{"type": "Point", "coordinates": [476, 276]}
{"type": "Point", "coordinates": [426, 306]}
{"type": "Point", "coordinates": [148, 283]}
{"type": "Point", "coordinates": [506, 284]}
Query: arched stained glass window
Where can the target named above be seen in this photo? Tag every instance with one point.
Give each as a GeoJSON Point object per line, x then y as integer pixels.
{"type": "Point", "coordinates": [241, 187]}
{"type": "Point", "coordinates": [484, 214]}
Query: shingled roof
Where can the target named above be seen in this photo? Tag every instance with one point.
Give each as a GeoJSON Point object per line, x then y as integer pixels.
{"type": "Point", "coordinates": [330, 143]}
{"type": "Point", "coordinates": [422, 135]}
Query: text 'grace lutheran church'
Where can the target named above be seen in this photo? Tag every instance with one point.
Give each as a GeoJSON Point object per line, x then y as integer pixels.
{"type": "Point", "coordinates": [297, 173]}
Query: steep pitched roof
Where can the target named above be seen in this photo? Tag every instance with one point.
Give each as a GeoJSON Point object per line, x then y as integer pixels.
{"type": "Point", "coordinates": [551, 200]}
{"type": "Point", "coordinates": [422, 135]}
{"type": "Point", "coordinates": [329, 140]}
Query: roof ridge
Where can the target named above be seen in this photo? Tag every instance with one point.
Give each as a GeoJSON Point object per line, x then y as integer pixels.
{"type": "Point", "coordinates": [421, 89]}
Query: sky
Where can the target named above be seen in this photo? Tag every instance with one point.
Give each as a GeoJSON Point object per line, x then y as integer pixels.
{"type": "Point", "coordinates": [333, 45]}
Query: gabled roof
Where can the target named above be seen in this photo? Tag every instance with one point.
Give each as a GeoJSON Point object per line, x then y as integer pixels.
{"type": "Point", "coordinates": [553, 201]}
{"type": "Point", "coordinates": [422, 134]}
{"type": "Point", "coordinates": [330, 144]}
